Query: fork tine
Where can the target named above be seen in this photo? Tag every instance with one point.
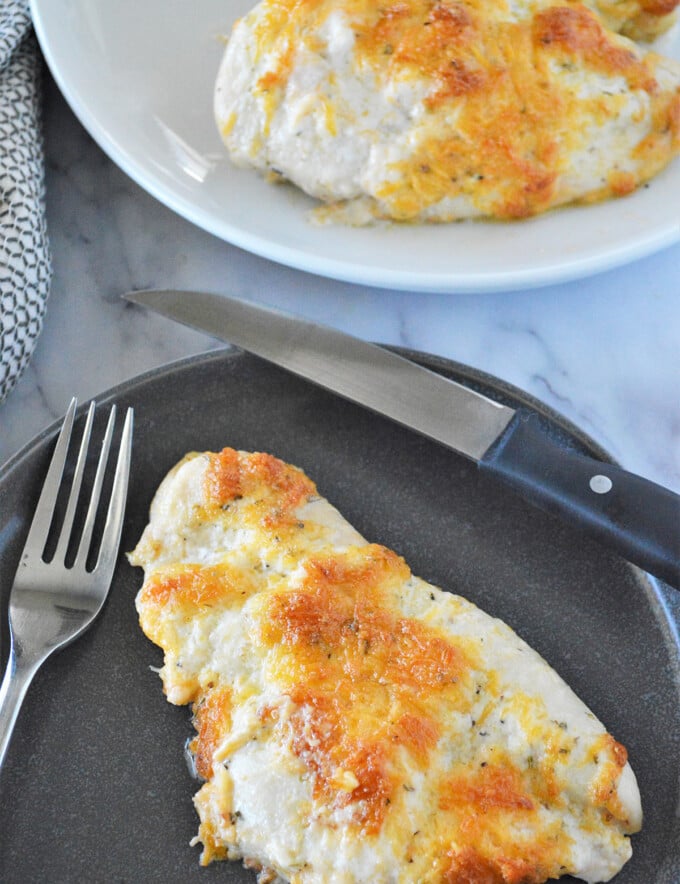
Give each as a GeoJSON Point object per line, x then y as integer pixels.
{"type": "Point", "coordinates": [86, 537]}
{"type": "Point", "coordinates": [44, 511]}
{"type": "Point", "coordinates": [114, 517]}
{"type": "Point", "coordinates": [67, 525]}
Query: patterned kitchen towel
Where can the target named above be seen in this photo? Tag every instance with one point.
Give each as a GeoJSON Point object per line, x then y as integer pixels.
{"type": "Point", "coordinates": [24, 253]}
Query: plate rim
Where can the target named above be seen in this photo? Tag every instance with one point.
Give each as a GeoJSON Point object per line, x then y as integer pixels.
{"type": "Point", "coordinates": [465, 282]}
{"type": "Point", "coordinates": [231, 351]}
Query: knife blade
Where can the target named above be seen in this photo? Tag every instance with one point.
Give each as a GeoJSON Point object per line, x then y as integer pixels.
{"type": "Point", "coordinates": [637, 518]}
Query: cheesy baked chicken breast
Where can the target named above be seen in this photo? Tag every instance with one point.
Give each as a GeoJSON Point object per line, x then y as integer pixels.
{"type": "Point", "coordinates": [437, 110]}
{"type": "Point", "coordinates": [354, 723]}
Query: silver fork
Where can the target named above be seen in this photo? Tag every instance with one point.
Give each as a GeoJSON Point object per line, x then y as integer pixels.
{"type": "Point", "coordinates": [51, 604]}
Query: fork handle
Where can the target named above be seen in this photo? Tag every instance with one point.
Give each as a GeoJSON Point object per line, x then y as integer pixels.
{"type": "Point", "coordinates": [18, 676]}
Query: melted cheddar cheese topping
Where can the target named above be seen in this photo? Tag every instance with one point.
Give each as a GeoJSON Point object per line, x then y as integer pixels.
{"type": "Point", "coordinates": [447, 109]}
{"type": "Point", "coordinates": [354, 723]}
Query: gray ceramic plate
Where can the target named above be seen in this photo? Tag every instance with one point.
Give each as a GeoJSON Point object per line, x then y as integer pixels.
{"type": "Point", "coordinates": [95, 787]}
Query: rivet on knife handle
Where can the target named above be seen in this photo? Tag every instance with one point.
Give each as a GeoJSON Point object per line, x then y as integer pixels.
{"type": "Point", "coordinates": [637, 518]}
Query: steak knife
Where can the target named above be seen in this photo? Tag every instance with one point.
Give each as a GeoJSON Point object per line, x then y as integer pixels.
{"type": "Point", "coordinates": [637, 518]}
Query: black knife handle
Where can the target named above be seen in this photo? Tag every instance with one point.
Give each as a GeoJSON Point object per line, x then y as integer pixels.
{"type": "Point", "coordinates": [637, 518]}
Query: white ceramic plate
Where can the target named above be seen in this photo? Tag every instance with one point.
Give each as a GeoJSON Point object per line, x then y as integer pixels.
{"type": "Point", "coordinates": [139, 75]}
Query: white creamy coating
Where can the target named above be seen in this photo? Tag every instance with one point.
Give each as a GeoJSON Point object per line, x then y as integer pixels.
{"type": "Point", "coordinates": [260, 800]}
{"type": "Point", "coordinates": [342, 131]}
{"type": "Point", "coordinates": [369, 122]}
